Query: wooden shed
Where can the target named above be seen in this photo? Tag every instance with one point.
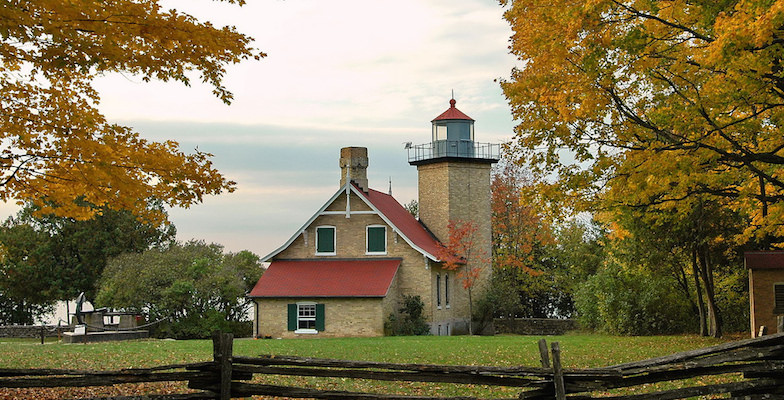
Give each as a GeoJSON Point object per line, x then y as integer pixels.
{"type": "Point", "coordinates": [766, 288]}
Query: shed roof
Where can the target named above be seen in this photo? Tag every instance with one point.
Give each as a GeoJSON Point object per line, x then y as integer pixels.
{"type": "Point", "coordinates": [327, 278]}
{"type": "Point", "coordinates": [764, 259]}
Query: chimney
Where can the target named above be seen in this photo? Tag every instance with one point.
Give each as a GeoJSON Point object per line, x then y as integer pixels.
{"type": "Point", "coordinates": [354, 160]}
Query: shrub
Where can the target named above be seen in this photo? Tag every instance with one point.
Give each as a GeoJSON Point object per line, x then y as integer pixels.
{"type": "Point", "coordinates": [408, 321]}
{"type": "Point", "coordinates": [619, 301]}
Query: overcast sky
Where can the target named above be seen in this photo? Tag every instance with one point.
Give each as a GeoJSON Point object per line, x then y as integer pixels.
{"type": "Point", "coordinates": [338, 73]}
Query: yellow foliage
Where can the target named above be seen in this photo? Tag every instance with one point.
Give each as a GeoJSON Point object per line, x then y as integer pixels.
{"type": "Point", "coordinates": [56, 149]}
{"type": "Point", "coordinates": [656, 101]}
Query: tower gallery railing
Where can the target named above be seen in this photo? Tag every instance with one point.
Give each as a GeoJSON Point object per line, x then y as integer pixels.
{"type": "Point", "coordinates": [454, 149]}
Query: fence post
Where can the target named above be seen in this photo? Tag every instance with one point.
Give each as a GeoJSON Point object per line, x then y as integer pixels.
{"type": "Point", "coordinates": [558, 382]}
{"type": "Point", "coordinates": [222, 354]}
{"type": "Point", "coordinates": [544, 356]}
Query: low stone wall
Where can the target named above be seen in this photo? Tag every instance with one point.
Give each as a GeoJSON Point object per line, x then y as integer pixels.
{"type": "Point", "coordinates": [534, 326]}
{"type": "Point", "coordinates": [32, 331]}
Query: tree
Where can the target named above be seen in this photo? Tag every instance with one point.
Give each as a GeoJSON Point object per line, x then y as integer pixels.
{"type": "Point", "coordinates": [48, 258]}
{"type": "Point", "coordinates": [623, 299]}
{"type": "Point", "coordinates": [58, 151]}
{"type": "Point", "coordinates": [657, 102]}
{"type": "Point", "coordinates": [521, 240]}
{"type": "Point", "coordinates": [194, 288]}
{"type": "Point", "coordinates": [413, 208]}
{"type": "Point", "coordinates": [690, 248]}
{"type": "Point", "coordinates": [520, 234]}
{"type": "Point", "coordinates": [462, 254]}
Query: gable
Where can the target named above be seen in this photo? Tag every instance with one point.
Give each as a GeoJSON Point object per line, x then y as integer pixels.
{"type": "Point", "coordinates": [350, 201]}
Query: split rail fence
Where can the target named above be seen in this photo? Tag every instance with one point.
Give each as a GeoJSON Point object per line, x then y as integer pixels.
{"type": "Point", "coordinates": [756, 367]}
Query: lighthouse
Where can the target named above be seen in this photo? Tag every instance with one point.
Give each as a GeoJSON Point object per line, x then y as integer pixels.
{"type": "Point", "coordinates": [454, 185]}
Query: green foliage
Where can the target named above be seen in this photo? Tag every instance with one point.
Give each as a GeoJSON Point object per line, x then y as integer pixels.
{"type": "Point", "coordinates": [413, 208]}
{"type": "Point", "coordinates": [560, 267]}
{"type": "Point", "coordinates": [630, 302]}
{"type": "Point", "coordinates": [45, 258]}
{"type": "Point", "coordinates": [195, 286]}
{"type": "Point", "coordinates": [409, 320]}
{"type": "Point", "coordinates": [732, 298]}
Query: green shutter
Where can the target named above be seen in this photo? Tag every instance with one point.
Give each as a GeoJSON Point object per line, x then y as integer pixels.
{"type": "Point", "coordinates": [376, 239]}
{"type": "Point", "coordinates": [292, 317]}
{"type": "Point", "coordinates": [320, 317]}
{"type": "Point", "coordinates": [325, 240]}
{"type": "Point", "coordinates": [778, 299]}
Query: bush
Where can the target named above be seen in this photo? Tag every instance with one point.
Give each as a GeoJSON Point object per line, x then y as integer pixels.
{"type": "Point", "coordinates": [619, 301]}
{"type": "Point", "coordinates": [732, 298]}
{"type": "Point", "coordinates": [409, 320]}
{"type": "Point", "coordinates": [194, 288]}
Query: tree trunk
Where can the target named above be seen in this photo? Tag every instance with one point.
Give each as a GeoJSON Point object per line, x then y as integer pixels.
{"type": "Point", "coordinates": [714, 317]}
{"type": "Point", "coordinates": [698, 289]}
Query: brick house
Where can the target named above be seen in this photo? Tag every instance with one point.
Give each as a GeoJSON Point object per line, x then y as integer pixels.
{"type": "Point", "coordinates": [766, 288]}
{"type": "Point", "coordinates": [346, 269]}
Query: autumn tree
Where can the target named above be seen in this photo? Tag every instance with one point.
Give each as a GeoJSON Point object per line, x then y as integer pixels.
{"type": "Point", "coordinates": [521, 239]}
{"type": "Point", "coordinates": [56, 148]}
{"type": "Point", "coordinates": [520, 233]}
{"type": "Point", "coordinates": [461, 253]}
{"type": "Point", "coordinates": [653, 103]}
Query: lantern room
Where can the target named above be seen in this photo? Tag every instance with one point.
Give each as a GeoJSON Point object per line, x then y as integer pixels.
{"type": "Point", "coordinates": [452, 138]}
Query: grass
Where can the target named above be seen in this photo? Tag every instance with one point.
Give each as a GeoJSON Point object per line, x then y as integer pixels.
{"type": "Point", "coordinates": [578, 351]}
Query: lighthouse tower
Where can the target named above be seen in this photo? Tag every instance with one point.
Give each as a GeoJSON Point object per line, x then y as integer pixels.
{"type": "Point", "coordinates": [454, 185]}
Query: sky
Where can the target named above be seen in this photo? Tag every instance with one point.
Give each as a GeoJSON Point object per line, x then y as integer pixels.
{"type": "Point", "coordinates": [338, 73]}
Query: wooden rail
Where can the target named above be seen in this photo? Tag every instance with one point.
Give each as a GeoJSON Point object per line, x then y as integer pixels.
{"type": "Point", "coordinates": [757, 367]}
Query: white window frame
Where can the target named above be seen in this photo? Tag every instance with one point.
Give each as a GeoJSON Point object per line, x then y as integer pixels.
{"type": "Point", "coordinates": [300, 306]}
{"type": "Point", "coordinates": [367, 241]}
{"type": "Point", "coordinates": [334, 241]}
{"type": "Point", "coordinates": [438, 292]}
{"type": "Point", "coordinates": [446, 292]}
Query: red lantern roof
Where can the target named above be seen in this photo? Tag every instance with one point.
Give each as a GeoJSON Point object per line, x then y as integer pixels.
{"type": "Point", "coordinates": [452, 113]}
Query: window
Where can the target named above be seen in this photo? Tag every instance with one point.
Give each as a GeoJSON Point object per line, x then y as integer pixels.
{"type": "Point", "coordinates": [438, 290]}
{"type": "Point", "coordinates": [778, 298]}
{"type": "Point", "coordinates": [325, 240]}
{"type": "Point", "coordinates": [446, 292]}
{"type": "Point", "coordinates": [376, 239]}
{"type": "Point", "coordinates": [306, 317]}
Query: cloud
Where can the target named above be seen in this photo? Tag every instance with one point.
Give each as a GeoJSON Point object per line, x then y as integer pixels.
{"type": "Point", "coordinates": [338, 73]}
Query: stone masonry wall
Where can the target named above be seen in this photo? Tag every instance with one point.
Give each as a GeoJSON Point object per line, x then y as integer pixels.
{"type": "Point", "coordinates": [347, 317]}
{"type": "Point", "coordinates": [534, 326]}
{"type": "Point", "coordinates": [457, 191]}
{"type": "Point", "coordinates": [32, 331]}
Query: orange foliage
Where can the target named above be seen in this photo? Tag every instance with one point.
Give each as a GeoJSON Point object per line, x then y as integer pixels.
{"type": "Point", "coordinates": [460, 253]}
{"type": "Point", "coordinates": [518, 230]}
{"type": "Point", "coordinates": [56, 149]}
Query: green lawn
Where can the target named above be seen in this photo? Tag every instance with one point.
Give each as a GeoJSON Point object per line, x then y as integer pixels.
{"type": "Point", "coordinates": [578, 351]}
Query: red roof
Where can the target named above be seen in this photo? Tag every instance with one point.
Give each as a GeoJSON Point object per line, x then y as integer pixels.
{"type": "Point", "coordinates": [327, 278]}
{"type": "Point", "coordinates": [403, 221]}
{"type": "Point", "coordinates": [764, 259]}
{"type": "Point", "coordinates": [452, 113]}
